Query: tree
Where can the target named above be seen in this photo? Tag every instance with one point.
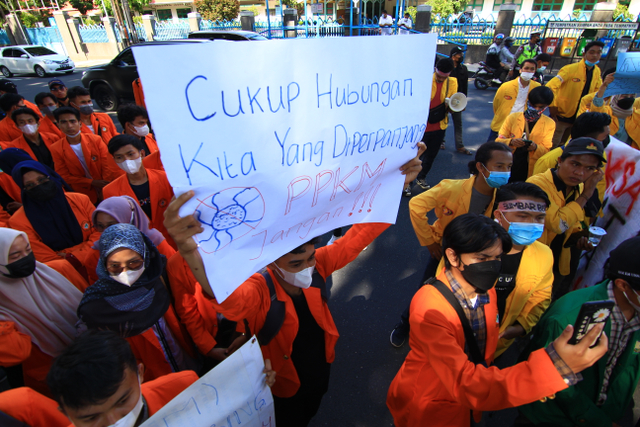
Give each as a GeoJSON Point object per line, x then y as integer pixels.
{"type": "Point", "coordinates": [138, 5]}
{"type": "Point", "coordinates": [218, 10]}
{"type": "Point", "coordinates": [446, 7]}
{"type": "Point", "coordinates": [295, 5]}
{"type": "Point", "coordinates": [82, 6]}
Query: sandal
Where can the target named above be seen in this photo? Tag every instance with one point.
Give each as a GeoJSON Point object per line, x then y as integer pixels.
{"type": "Point", "coordinates": [464, 151]}
{"type": "Point", "coordinates": [442, 146]}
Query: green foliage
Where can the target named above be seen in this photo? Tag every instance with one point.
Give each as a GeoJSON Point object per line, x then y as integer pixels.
{"type": "Point", "coordinates": [107, 5]}
{"type": "Point", "coordinates": [137, 20]}
{"type": "Point", "coordinates": [253, 8]}
{"type": "Point", "coordinates": [576, 13]}
{"type": "Point", "coordinates": [294, 5]}
{"type": "Point", "coordinates": [138, 5]}
{"type": "Point", "coordinates": [82, 6]}
{"type": "Point", "coordinates": [412, 10]}
{"type": "Point", "coordinates": [447, 7]}
{"type": "Point", "coordinates": [622, 13]}
{"type": "Point", "coordinates": [218, 10]}
{"type": "Point", "coordinates": [31, 18]}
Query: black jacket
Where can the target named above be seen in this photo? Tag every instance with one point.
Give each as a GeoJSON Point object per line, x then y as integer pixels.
{"type": "Point", "coordinates": [462, 75]}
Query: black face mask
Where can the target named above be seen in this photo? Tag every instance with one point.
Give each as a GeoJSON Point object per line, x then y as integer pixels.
{"type": "Point", "coordinates": [625, 103]}
{"type": "Point", "coordinates": [482, 275]}
{"type": "Point", "coordinates": [23, 267]}
{"type": "Point", "coordinates": [43, 192]}
{"type": "Point", "coordinates": [606, 141]}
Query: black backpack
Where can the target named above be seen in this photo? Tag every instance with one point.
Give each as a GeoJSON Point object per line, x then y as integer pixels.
{"type": "Point", "coordinates": [277, 311]}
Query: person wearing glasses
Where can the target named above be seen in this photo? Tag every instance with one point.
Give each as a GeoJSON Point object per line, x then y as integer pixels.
{"type": "Point", "coordinates": [40, 300]}
{"type": "Point", "coordinates": [58, 223]}
{"type": "Point", "coordinates": [149, 187]}
{"type": "Point", "coordinates": [59, 89]}
{"type": "Point", "coordinates": [132, 299]}
{"type": "Point", "coordinates": [528, 133]}
{"type": "Point", "coordinates": [125, 210]}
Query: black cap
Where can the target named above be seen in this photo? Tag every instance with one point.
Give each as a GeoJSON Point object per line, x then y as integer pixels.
{"type": "Point", "coordinates": [56, 82]}
{"type": "Point", "coordinates": [456, 50]}
{"type": "Point", "coordinates": [7, 85]}
{"type": "Point", "coordinates": [585, 145]}
{"type": "Point", "coordinates": [623, 262]}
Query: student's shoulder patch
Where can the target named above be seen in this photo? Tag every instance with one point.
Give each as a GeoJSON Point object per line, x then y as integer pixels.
{"type": "Point", "coordinates": [85, 225]}
{"type": "Point", "coordinates": [94, 158]}
{"type": "Point", "coordinates": [577, 80]}
{"type": "Point", "coordinates": [162, 203]}
{"type": "Point", "coordinates": [508, 98]}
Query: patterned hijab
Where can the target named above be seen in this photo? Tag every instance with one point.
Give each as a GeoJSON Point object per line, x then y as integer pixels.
{"type": "Point", "coordinates": [128, 310]}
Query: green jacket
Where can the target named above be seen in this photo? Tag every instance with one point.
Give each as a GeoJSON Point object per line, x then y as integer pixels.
{"type": "Point", "coordinates": [576, 406]}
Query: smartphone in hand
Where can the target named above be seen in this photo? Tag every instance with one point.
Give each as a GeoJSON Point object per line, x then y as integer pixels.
{"type": "Point", "coordinates": [591, 314]}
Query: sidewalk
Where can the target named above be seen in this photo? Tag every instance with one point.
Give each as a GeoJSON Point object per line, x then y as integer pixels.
{"type": "Point", "coordinates": [87, 64]}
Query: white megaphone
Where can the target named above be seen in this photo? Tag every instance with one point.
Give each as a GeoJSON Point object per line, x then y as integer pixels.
{"type": "Point", "coordinates": [457, 102]}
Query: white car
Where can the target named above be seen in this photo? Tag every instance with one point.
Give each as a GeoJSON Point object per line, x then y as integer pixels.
{"type": "Point", "coordinates": [25, 59]}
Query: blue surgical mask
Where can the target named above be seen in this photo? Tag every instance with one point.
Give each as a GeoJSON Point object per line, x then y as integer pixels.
{"type": "Point", "coordinates": [541, 69]}
{"type": "Point", "coordinates": [496, 179]}
{"type": "Point", "coordinates": [591, 64]}
{"type": "Point", "coordinates": [524, 233]}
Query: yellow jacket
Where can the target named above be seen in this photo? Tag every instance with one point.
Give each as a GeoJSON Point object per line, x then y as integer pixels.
{"type": "Point", "coordinates": [504, 100]}
{"type": "Point", "coordinates": [453, 88]}
{"type": "Point", "coordinates": [567, 87]}
{"type": "Point", "coordinates": [541, 134]}
{"type": "Point", "coordinates": [632, 125]}
{"type": "Point", "coordinates": [586, 105]}
{"type": "Point", "coordinates": [532, 294]}
{"type": "Point", "coordinates": [561, 216]}
{"type": "Point", "coordinates": [449, 199]}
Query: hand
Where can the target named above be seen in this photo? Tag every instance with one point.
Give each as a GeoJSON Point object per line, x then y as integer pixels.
{"type": "Point", "coordinates": [517, 142]}
{"type": "Point", "coordinates": [99, 183]}
{"type": "Point", "coordinates": [512, 331]}
{"type": "Point", "coordinates": [579, 357]}
{"type": "Point", "coordinates": [533, 147]}
{"type": "Point", "coordinates": [608, 79]}
{"type": "Point", "coordinates": [12, 207]}
{"type": "Point", "coordinates": [584, 244]}
{"type": "Point", "coordinates": [217, 354]}
{"type": "Point", "coordinates": [182, 230]}
{"type": "Point", "coordinates": [591, 183]}
{"type": "Point", "coordinates": [511, 73]}
{"type": "Point", "coordinates": [412, 168]}
{"type": "Point", "coordinates": [435, 250]}
{"type": "Point", "coordinates": [237, 343]}
{"type": "Point", "coordinates": [270, 379]}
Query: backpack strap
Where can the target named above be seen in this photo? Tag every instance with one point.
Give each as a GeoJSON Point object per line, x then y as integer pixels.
{"type": "Point", "coordinates": [475, 355]}
{"type": "Point", "coordinates": [275, 315]}
{"type": "Point", "coordinates": [277, 309]}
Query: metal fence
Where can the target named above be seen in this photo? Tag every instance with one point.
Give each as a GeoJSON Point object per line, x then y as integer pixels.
{"type": "Point", "coordinates": [141, 32]}
{"type": "Point", "coordinates": [220, 25]}
{"type": "Point", "coordinates": [168, 30]}
{"type": "Point", "coordinates": [4, 38]}
{"type": "Point", "coordinates": [95, 33]}
{"type": "Point", "coordinates": [47, 36]}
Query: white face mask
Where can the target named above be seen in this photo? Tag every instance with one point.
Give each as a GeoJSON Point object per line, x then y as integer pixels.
{"type": "Point", "coordinates": [635, 307]}
{"type": "Point", "coordinates": [29, 129]}
{"type": "Point", "coordinates": [131, 166]}
{"type": "Point", "coordinates": [301, 279]}
{"type": "Point", "coordinates": [130, 419]}
{"type": "Point", "coordinates": [73, 136]}
{"type": "Point", "coordinates": [141, 130]}
{"type": "Point", "coordinates": [526, 76]}
{"type": "Point", "coordinates": [129, 277]}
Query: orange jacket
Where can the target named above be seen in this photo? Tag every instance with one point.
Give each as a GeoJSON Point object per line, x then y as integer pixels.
{"type": "Point", "coordinates": [99, 162]}
{"type": "Point", "coordinates": [194, 310]}
{"type": "Point", "coordinates": [148, 351]}
{"type": "Point", "coordinates": [71, 274]}
{"type": "Point", "coordinates": [10, 187]}
{"type": "Point", "coordinates": [161, 194]}
{"type": "Point", "coordinates": [8, 129]}
{"type": "Point", "coordinates": [32, 408]}
{"type": "Point", "coordinates": [438, 385]}
{"type": "Point", "coordinates": [15, 346]}
{"type": "Point", "coordinates": [153, 161]}
{"type": "Point", "coordinates": [103, 127]}
{"type": "Point", "coordinates": [21, 143]}
{"type": "Point", "coordinates": [151, 142]}
{"type": "Point", "coordinates": [35, 369]}
{"type": "Point", "coordinates": [251, 301]}
{"type": "Point", "coordinates": [138, 94]}
{"type": "Point", "coordinates": [34, 107]}
{"type": "Point", "coordinates": [82, 208]}
{"type": "Point", "coordinates": [47, 125]}
{"type": "Point", "coordinates": [91, 261]}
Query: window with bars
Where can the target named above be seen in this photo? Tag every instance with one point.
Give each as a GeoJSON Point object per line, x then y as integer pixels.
{"type": "Point", "coordinates": [584, 5]}
{"type": "Point", "coordinates": [498, 3]}
{"type": "Point", "coordinates": [183, 13]}
{"type": "Point", "coordinates": [475, 4]}
{"type": "Point", "coordinates": [163, 14]}
{"type": "Point", "coordinates": [547, 5]}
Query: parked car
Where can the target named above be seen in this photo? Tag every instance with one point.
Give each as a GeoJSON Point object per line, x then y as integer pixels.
{"type": "Point", "coordinates": [227, 35]}
{"type": "Point", "coordinates": [111, 84]}
{"type": "Point", "coordinates": [26, 59]}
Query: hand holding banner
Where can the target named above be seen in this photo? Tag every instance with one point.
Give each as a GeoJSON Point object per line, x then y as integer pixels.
{"type": "Point", "coordinates": [627, 77]}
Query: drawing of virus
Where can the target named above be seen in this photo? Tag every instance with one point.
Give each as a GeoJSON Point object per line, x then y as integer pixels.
{"type": "Point", "coordinates": [228, 215]}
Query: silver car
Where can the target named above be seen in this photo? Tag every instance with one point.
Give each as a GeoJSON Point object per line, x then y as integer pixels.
{"type": "Point", "coordinates": [26, 59]}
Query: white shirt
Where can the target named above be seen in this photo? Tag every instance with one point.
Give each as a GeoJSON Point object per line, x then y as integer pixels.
{"type": "Point", "coordinates": [386, 31]}
{"type": "Point", "coordinates": [407, 23]}
{"type": "Point", "coordinates": [521, 99]}
{"type": "Point", "coordinates": [91, 128]}
{"type": "Point", "coordinates": [77, 148]}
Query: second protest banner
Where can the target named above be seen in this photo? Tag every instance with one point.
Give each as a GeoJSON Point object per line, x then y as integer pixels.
{"type": "Point", "coordinates": [285, 140]}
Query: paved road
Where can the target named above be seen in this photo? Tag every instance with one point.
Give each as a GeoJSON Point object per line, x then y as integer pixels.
{"type": "Point", "coordinates": [367, 296]}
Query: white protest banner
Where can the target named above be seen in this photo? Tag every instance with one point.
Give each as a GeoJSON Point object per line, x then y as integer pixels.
{"type": "Point", "coordinates": [285, 140]}
{"type": "Point", "coordinates": [232, 393]}
{"type": "Point", "coordinates": [627, 78]}
{"type": "Point", "coordinates": [621, 210]}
